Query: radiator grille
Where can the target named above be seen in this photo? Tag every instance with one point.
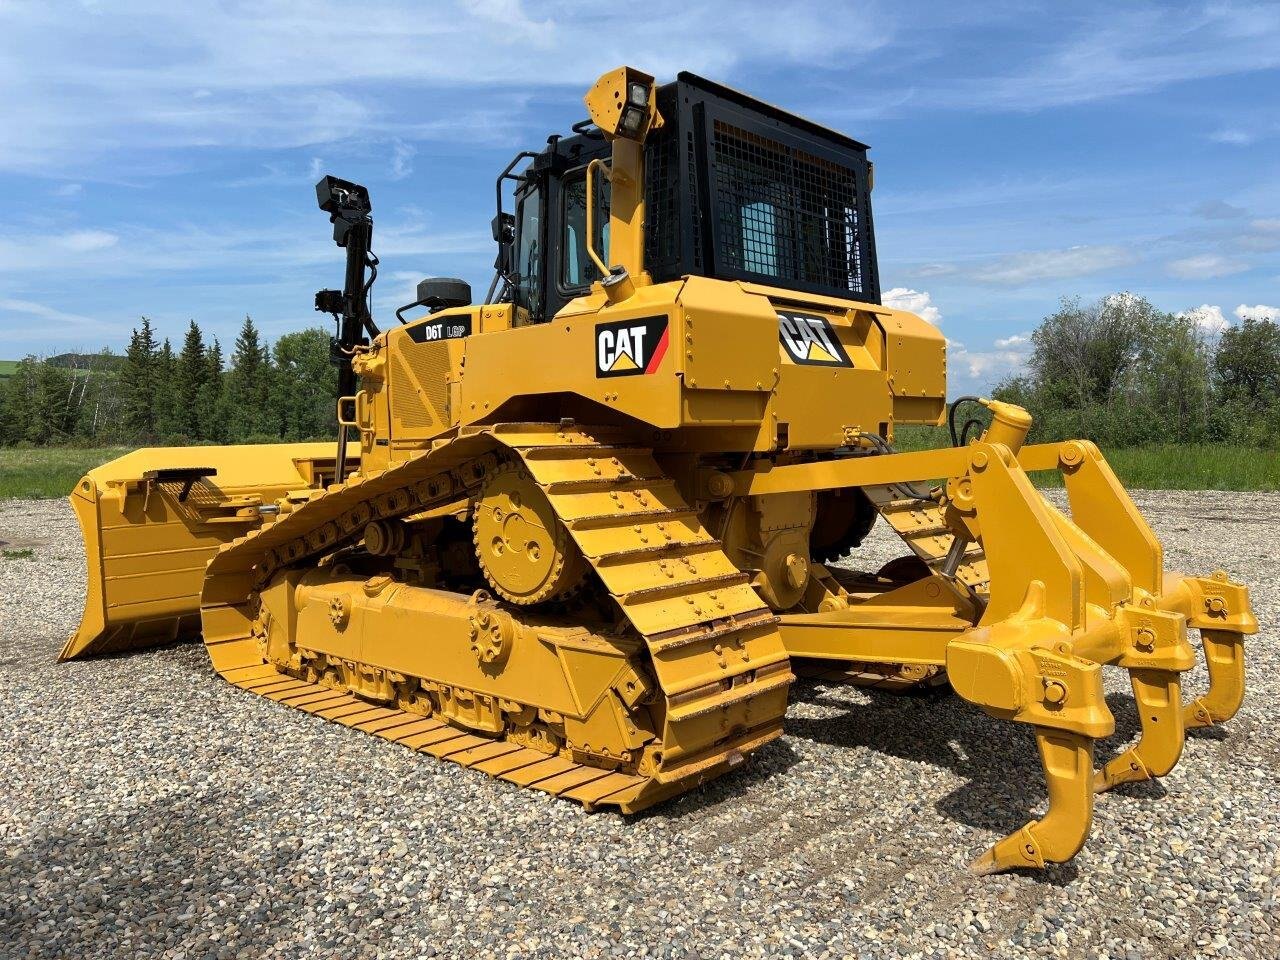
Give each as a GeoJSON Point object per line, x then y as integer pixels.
{"type": "Point", "coordinates": [419, 385]}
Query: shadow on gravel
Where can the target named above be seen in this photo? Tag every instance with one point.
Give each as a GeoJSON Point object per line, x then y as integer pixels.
{"type": "Point", "coordinates": [146, 881]}
{"type": "Point", "coordinates": [1125, 710]}
{"type": "Point", "coordinates": [1216, 734]}
{"type": "Point", "coordinates": [151, 648]}
{"type": "Point", "coordinates": [1004, 785]}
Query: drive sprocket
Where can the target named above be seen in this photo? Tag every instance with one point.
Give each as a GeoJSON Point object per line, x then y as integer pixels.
{"type": "Point", "coordinates": [525, 552]}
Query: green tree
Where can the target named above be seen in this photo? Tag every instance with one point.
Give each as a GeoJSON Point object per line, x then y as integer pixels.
{"type": "Point", "coordinates": [1246, 365]}
{"type": "Point", "coordinates": [1081, 351]}
{"type": "Point", "coordinates": [138, 384]}
{"type": "Point", "coordinates": [209, 399]}
{"type": "Point", "coordinates": [1246, 374]}
{"type": "Point", "coordinates": [79, 368]}
{"type": "Point", "coordinates": [166, 413]}
{"type": "Point", "coordinates": [99, 412]}
{"type": "Point", "coordinates": [1168, 388]}
{"type": "Point", "coordinates": [304, 389]}
{"type": "Point", "coordinates": [190, 376]}
{"type": "Point", "coordinates": [38, 403]}
{"type": "Point", "coordinates": [248, 388]}
{"type": "Point", "coordinates": [53, 417]}
{"type": "Point", "coordinates": [1118, 371]}
{"type": "Point", "coordinates": [17, 403]}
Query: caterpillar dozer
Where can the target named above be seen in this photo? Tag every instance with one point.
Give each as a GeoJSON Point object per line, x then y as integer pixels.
{"type": "Point", "coordinates": [576, 536]}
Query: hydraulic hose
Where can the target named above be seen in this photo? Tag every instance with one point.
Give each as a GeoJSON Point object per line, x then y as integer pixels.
{"type": "Point", "coordinates": [951, 417]}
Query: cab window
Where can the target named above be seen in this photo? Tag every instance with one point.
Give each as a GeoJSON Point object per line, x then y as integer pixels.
{"type": "Point", "coordinates": [759, 238]}
{"type": "Point", "coordinates": [528, 265]}
{"type": "Point", "coordinates": [577, 270]}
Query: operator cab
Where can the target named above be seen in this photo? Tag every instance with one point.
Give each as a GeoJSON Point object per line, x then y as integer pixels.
{"type": "Point", "coordinates": [551, 263]}
{"type": "Point", "coordinates": [735, 189]}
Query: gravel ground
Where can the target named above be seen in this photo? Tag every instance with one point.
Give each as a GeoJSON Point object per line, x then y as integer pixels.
{"type": "Point", "coordinates": [147, 808]}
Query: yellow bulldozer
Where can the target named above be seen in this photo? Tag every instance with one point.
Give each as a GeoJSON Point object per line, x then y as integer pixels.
{"type": "Point", "coordinates": [577, 536]}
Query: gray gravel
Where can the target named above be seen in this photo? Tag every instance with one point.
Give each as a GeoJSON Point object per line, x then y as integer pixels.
{"type": "Point", "coordinates": [149, 809]}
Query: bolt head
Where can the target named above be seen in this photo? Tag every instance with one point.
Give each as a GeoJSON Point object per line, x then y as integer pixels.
{"type": "Point", "coordinates": [1070, 455]}
{"type": "Point", "coordinates": [797, 570]}
{"type": "Point", "coordinates": [1055, 692]}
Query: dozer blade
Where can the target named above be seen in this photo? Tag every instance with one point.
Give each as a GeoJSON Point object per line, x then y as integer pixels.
{"type": "Point", "coordinates": [152, 519]}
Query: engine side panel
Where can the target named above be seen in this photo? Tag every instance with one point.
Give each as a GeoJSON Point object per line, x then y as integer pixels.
{"type": "Point", "coordinates": [730, 366]}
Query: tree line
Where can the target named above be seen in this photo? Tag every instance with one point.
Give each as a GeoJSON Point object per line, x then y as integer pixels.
{"type": "Point", "coordinates": [153, 394]}
{"type": "Point", "coordinates": [1124, 374]}
{"type": "Point", "coordinates": [1117, 371]}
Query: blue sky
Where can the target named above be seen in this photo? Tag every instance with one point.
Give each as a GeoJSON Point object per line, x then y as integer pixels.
{"type": "Point", "coordinates": [160, 157]}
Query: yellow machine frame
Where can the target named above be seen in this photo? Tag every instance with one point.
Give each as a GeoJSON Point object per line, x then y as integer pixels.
{"type": "Point", "coordinates": [687, 494]}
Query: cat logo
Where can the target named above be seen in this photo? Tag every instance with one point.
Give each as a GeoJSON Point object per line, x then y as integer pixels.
{"type": "Point", "coordinates": [625, 348]}
{"type": "Point", "coordinates": [809, 340]}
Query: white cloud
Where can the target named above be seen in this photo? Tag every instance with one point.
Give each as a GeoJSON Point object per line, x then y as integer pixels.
{"type": "Point", "coordinates": [136, 75]}
{"type": "Point", "coordinates": [1035, 265]}
{"type": "Point", "coordinates": [54, 324]}
{"type": "Point", "coordinates": [1259, 312]}
{"type": "Point", "coordinates": [1205, 266]}
{"type": "Point", "coordinates": [982, 368]}
{"type": "Point", "coordinates": [914, 301]}
{"type": "Point", "coordinates": [935, 270]}
{"type": "Point", "coordinates": [86, 81]}
{"type": "Point", "coordinates": [1017, 340]}
{"type": "Point", "coordinates": [276, 173]}
{"type": "Point", "coordinates": [1113, 50]}
{"type": "Point", "coordinates": [86, 241]}
{"type": "Point", "coordinates": [1234, 136]}
{"type": "Point", "coordinates": [69, 190]}
{"type": "Point", "coordinates": [32, 253]}
{"type": "Point", "coordinates": [1220, 210]}
{"type": "Point", "coordinates": [1124, 300]}
{"type": "Point", "coordinates": [147, 251]}
{"type": "Point", "coordinates": [1208, 318]}
{"type": "Point", "coordinates": [1261, 236]}
{"type": "Point", "coordinates": [402, 159]}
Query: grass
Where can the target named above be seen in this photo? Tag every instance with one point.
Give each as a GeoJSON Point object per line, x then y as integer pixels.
{"type": "Point", "coordinates": [24, 554]}
{"type": "Point", "coordinates": [1171, 467]}
{"type": "Point", "coordinates": [1190, 467]}
{"type": "Point", "coordinates": [53, 471]}
{"type": "Point", "coordinates": [7, 367]}
{"type": "Point", "coordinates": [48, 472]}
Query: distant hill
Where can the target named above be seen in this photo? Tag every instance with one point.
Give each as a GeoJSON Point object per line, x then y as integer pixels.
{"type": "Point", "coordinates": [93, 362]}
{"type": "Point", "coordinates": [86, 361]}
